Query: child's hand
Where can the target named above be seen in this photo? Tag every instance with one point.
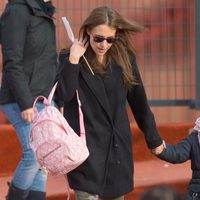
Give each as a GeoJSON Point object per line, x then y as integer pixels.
{"type": "Point", "coordinates": [159, 149]}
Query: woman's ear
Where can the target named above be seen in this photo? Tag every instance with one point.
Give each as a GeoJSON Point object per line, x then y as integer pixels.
{"type": "Point", "coordinates": [88, 31]}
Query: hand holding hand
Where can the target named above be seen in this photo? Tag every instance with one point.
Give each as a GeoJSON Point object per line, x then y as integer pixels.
{"type": "Point", "coordinates": [159, 149]}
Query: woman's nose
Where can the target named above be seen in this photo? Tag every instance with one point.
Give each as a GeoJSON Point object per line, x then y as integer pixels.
{"type": "Point", "coordinates": [104, 43]}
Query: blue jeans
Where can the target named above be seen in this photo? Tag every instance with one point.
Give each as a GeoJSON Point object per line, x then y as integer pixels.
{"type": "Point", "coordinates": [28, 174]}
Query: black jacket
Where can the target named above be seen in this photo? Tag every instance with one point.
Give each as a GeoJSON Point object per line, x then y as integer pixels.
{"type": "Point", "coordinates": [29, 53]}
{"type": "Point", "coordinates": [187, 149]}
{"type": "Point", "coordinates": [109, 169]}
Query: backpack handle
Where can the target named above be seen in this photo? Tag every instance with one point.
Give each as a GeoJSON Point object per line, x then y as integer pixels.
{"type": "Point", "coordinates": [47, 102]}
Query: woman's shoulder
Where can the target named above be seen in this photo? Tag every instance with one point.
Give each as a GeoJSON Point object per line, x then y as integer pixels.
{"type": "Point", "coordinates": [133, 62]}
{"type": "Point", "coordinates": [13, 14]}
{"type": "Point", "coordinates": [64, 53]}
{"type": "Point", "coordinates": [18, 7]}
{"type": "Point", "coordinates": [132, 56]}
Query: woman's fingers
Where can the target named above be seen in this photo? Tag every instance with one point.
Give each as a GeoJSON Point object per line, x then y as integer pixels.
{"type": "Point", "coordinates": [83, 42]}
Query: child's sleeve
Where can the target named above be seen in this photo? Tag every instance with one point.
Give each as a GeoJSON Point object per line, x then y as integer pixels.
{"type": "Point", "coordinates": [178, 153]}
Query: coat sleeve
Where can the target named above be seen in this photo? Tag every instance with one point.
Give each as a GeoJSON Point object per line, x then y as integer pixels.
{"type": "Point", "coordinates": [178, 153]}
{"type": "Point", "coordinates": [68, 79]}
{"type": "Point", "coordinates": [14, 25]}
{"type": "Point", "coordinates": [143, 115]}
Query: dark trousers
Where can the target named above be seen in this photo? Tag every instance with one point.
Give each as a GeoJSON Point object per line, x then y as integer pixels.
{"type": "Point", "coordinates": [80, 195]}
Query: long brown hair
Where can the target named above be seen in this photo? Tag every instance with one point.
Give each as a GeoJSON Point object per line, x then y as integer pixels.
{"type": "Point", "coordinates": [121, 50]}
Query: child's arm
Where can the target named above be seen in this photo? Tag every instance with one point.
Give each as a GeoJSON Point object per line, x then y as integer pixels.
{"type": "Point", "coordinates": [178, 153]}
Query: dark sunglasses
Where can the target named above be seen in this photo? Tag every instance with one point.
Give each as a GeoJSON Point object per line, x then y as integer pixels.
{"type": "Point", "coordinates": [98, 39]}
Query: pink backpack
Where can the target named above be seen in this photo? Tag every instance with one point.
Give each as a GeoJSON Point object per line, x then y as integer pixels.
{"type": "Point", "coordinates": [58, 149]}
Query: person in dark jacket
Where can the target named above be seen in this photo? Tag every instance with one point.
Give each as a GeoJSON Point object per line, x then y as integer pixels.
{"type": "Point", "coordinates": [106, 80]}
{"type": "Point", "coordinates": [29, 70]}
{"type": "Point", "coordinates": [187, 149]}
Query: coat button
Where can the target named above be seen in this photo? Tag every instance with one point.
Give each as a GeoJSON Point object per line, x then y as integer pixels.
{"type": "Point", "coordinates": [118, 162]}
{"type": "Point", "coordinates": [116, 145]}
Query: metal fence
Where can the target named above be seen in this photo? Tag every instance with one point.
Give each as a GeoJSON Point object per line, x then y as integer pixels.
{"type": "Point", "coordinates": [166, 52]}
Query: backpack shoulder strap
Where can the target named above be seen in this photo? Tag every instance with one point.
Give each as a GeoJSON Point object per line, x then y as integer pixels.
{"type": "Point", "coordinates": [46, 101]}
{"type": "Point", "coordinates": [81, 121]}
{"type": "Point", "coordinates": [50, 97]}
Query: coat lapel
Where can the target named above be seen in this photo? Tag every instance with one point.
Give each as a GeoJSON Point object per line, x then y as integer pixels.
{"type": "Point", "coordinates": [97, 87]}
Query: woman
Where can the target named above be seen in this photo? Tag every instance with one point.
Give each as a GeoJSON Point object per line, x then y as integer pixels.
{"type": "Point", "coordinates": [113, 79]}
{"type": "Point", "coordinates": [29, 69]}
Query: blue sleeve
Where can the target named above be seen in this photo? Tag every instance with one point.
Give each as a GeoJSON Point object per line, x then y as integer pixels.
{"type": "Point", "coordinates": [178, 153]}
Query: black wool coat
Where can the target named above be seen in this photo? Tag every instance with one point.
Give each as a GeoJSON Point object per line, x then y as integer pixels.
{"type": "Point", "coordinates": [109, 169]}
{"type": "Point", "coordinates": [186, 149]}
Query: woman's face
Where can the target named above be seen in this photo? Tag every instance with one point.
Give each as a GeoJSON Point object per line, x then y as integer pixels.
{"type": "Point", "coordinates": [101, 39]}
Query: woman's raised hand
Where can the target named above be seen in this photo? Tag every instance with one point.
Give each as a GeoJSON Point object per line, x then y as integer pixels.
{"type": "Point", "coordinates": [77, 50]}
